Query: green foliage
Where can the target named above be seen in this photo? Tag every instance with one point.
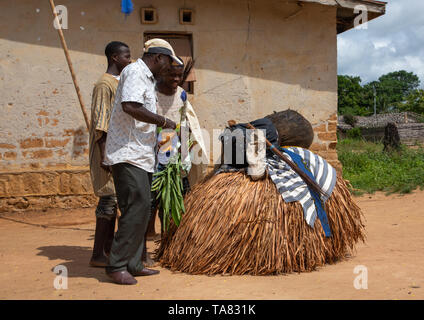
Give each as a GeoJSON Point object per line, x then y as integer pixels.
{"type": "Point", "coordinates": [420, 118]}
{"type": "Point", "coordinates": [350, 96]}
{"type": "Point", "coordinates": [392, 92]}
{"type": "Point", "coordinates": [414, 102]}
{"type": "Point", "coordinates": [354, 133]}
{"type": "Point", "coordinates": [169, 186]}
{"type": "Point", "coordinates": [369, 169]}
{"type": "Point", "coordinates": [399, 84]}
{"type": "Point", "coordinates": [393, 89]}
{"type": "Point", "coordinates": [350, 119]}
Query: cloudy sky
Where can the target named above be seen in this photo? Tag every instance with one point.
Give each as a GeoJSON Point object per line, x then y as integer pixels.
{"type": "Point", "coordinates": [391, 42]}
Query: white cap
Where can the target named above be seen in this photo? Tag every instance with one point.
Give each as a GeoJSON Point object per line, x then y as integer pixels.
{"type": "Point", "coordinates": [161, 46]}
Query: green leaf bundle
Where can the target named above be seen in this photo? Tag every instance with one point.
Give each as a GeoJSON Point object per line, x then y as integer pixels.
{"type": "Point", "coordinates": [169, 187]}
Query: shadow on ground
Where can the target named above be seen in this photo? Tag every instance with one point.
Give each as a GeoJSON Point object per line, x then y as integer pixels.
{"type": "Point", "coordinates": [76, 261]}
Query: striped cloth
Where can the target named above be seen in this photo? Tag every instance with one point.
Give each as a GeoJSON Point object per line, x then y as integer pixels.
{"type": "Point", "coordinates": [293, 188]}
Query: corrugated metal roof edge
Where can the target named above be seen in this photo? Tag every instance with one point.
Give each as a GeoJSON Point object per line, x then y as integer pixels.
{"type": "Point", "coordinates": [339, 3]}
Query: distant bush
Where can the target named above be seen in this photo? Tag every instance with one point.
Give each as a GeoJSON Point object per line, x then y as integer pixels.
{"type": "Point", "coordinates": [420, 118]}
{"type": "Point", "coordinates": [350, 119]}
{"type": "Point", "coordinates": [354, 133]}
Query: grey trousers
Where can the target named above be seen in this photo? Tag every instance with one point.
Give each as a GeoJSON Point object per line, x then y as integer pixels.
{"type": "Point", "coordinates": [132, 186]}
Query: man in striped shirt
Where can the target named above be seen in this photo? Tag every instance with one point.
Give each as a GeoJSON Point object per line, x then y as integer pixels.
{"type": "Point", "coordinates": [118, 57]}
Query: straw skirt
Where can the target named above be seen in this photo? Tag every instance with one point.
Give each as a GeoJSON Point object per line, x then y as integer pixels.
{"type": "Point", "coordinates": [235, 226]}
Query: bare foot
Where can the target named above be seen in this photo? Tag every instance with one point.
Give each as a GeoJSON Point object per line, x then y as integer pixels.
{"type": "Point", "coordinates": [153, 237]}
{"type": "Point", "coordinates": [149, 262]}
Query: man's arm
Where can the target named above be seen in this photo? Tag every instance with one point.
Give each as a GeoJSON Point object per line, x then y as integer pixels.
{"type": "Point", "coordinates": [102, 145]}
{"type": "Point", "coordinates": [139, 112]}
{"type": "Point", "coordinates": [101, 106]}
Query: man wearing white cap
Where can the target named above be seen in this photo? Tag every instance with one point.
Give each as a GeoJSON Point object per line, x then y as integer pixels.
{"type": "Point", "coordinates": [130, 151]}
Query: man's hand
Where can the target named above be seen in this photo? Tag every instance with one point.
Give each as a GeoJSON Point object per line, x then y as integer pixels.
{"type": "Point", "coordinates": [105, 166]}
{"type": "Point", "coordinates": [139, 112]}
{"type": "Point", "coordinates": [169, 124]}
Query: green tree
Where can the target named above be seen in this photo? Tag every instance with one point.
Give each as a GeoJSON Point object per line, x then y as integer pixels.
{"type": "Point", "coordinates": [393, 89]}
{"type": "Point", "coordinates": [414, 102]}
{"type": "Point", "coordinates": [368, 97]}
{"type": "Point", "coordinates": [350, 96]}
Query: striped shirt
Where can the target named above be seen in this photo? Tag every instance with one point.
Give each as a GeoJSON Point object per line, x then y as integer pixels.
{"type": "Point", "coordinates": [292, 188]}
{"type": "Point", "coordinates": [101, 109]}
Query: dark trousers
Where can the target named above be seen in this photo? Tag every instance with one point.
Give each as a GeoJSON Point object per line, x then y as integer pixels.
{"type": "Point", "coordinates": [106, 208]}
{"type": "Point", "coordinates": [132, 186]}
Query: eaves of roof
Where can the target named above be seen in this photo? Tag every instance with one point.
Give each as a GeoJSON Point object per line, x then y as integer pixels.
{"type": "Point", "coordinates": [348, 10]}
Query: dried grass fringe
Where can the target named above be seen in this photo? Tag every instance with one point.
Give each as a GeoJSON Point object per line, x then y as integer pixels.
{"type": "Point", "coordinates": [235, 226]}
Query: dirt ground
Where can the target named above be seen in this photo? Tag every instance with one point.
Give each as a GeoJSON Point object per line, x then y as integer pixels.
{"type": "Point", "coordinates": [33, 243]}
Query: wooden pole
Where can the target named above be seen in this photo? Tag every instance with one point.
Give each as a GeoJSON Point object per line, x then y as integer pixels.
{"type": "Point", "coordinates": [68, 59]}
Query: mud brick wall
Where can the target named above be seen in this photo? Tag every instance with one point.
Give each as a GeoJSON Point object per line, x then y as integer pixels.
{"type": "Point", "coordinates": [409, 133]}
{"type": "Point", "coordinates": [45, 165]}
{"type": "Point", "coordinates": [325, 141]}
{"type": "Point", "coordinates": [40, 190]}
